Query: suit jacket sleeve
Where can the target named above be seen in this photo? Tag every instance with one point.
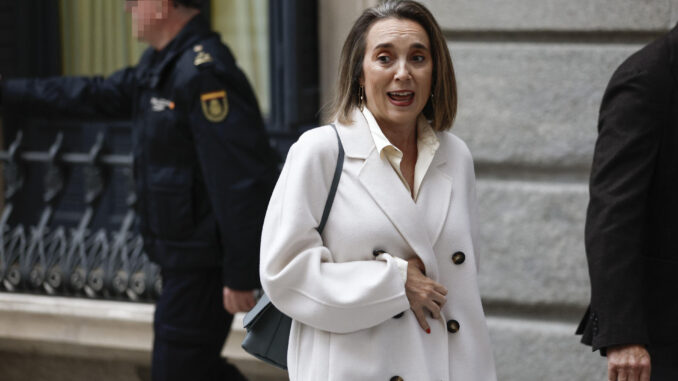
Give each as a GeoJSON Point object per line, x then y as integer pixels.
{"type": "Point", "coordinates": [297, 270]}
{"type": "Point", "coordinates": [238, 166]}
{"type": "Point", "coordinates": [632, 115]}
{"type": "Point", "coordinates": [72, 96]}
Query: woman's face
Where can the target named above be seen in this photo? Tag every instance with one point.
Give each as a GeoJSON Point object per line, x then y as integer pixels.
{"type": "Point", "coordinates": [397, 71]}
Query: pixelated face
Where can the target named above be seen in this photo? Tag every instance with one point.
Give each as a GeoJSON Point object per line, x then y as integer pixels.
{"type": "Point", "coordinates": [145, 16]}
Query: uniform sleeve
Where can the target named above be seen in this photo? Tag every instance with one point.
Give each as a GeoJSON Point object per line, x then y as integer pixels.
{"type": "Point", "coordinates": [297, 270]}
{"type": "Point", "coordinates": [71, 96]}
{"type": "Point", "coordinates": [238, 167]}
{"type": "Point", "coordinates": [630, 121]}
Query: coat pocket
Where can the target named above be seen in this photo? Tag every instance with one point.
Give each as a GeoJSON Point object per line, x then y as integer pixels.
{"type": "Point", "coordinates": [170, 202]}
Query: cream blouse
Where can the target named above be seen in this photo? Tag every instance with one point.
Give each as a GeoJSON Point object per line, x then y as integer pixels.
{"type": "Point", "coordinates": [427, 145]}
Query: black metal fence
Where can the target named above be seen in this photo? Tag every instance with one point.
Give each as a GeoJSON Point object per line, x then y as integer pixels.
{"type": "Point", "coordinates": [68, 222]}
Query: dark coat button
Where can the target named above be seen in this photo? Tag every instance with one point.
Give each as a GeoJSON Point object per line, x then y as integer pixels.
{"type": "Point", "coordinates": [458, 258]}
{"type": "Point", "coordinates": [396, 378]}
{"type": "Point", "coordinates": [398, 316]}
{"type": "Point", "coordinates": [452, 326]}
{"type": "Point", "coordinates": [376, 252]}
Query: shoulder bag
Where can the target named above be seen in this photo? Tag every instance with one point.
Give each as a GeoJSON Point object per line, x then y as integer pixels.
{"type": "Point", "coordinates": [268, 329]}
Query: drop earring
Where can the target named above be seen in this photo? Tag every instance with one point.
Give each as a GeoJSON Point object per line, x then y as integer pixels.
{"type": "Point", "coordinates": [361, 96]}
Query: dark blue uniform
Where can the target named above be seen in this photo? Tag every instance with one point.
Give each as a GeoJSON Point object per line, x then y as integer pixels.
{"type": "Point", "coordinates": [204, 172]}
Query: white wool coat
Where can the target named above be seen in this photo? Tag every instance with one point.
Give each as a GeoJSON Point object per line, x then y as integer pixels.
{"type": "Point", "coordinates": [343, 299]}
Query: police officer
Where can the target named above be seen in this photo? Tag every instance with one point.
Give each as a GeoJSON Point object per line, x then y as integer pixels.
{"type": "Point", "coordinates": [203, 168]}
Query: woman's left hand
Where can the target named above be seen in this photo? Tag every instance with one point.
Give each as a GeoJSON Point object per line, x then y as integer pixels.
{"type": "Point", "coordinates": [424, 294]}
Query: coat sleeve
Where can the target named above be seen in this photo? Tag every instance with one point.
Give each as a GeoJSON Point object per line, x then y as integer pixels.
{"type": "Point", "coordinates": [238, 166]}
{"type": "Point", "coordinates": [297, 271]}
{"type": "Point", "coordinates": [473, 213]}
{"type": "Point", "coordinates": [631, 118]}
{"type": "Point", "coordinates": [72, 96]}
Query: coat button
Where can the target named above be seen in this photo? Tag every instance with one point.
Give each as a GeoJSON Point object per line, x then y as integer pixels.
{"type": "Point", "coordinates": [376, 252]}
{"type": "Point", "coordinates": [452, 326]}
{"type": "Point", "coordinates": [458, 258]}
{"type": "Point", "coordinates": [398, 316]}
{"type": "Point", "coordinates": [396, 378]}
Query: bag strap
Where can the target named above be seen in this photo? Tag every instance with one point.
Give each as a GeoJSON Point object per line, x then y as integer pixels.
{"type": "Point", "coordinates": [335, 183]}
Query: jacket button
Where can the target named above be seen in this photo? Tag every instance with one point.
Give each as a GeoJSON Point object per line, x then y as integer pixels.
{"type": "Point", "coordinates": [458, 258]}
{"type": "Point", "coordinates": [396, 378]}
{"type": "Point", "coordinates": [452, 326]}
{"type": "Point", "coordinates": [376, 252]}
{"type": "Point", "coordinates": [398, 316]}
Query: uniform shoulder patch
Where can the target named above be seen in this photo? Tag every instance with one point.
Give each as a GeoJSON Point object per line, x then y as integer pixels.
{"type": "Point", "coordinates": [214, 105]}
{"type": "Point", "coordinates": [201, 56]}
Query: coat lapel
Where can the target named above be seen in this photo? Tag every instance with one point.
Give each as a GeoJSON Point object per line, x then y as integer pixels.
{"type": "Point", "coordinates": [385, 187]}
{"type": "Point", "coordinates": [383, 184]}
{"type": "Point", "coordinates": [436, 195]}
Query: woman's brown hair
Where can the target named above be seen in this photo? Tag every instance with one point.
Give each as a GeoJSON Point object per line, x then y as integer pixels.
{"type": "Point", "coordinates": [441, 108]}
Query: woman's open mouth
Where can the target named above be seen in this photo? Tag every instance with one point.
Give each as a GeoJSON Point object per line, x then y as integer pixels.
{"type": "Point", "coordinates": [401, 98]}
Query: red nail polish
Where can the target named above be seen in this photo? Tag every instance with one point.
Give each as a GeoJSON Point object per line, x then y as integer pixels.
{"type": "Point", "coordinates": [428, 330]}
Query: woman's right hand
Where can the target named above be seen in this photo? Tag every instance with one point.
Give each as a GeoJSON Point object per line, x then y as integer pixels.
{"type": "Point", "coordinates": [425, 295]}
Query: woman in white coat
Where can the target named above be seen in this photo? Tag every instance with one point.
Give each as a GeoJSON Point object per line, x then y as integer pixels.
{"type": "Point", "coordinates": [389, 290]}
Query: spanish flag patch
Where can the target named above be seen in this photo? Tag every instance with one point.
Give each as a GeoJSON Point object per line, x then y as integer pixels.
{"type": "Point", "coordinates": [214, 106]}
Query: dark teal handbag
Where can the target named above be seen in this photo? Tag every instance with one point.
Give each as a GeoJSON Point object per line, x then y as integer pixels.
{"type": "Point", "coordinates": [268, 329]}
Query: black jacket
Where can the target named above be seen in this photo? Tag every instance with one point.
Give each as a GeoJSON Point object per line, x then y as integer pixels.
{"type": "Point", "coordinates": [203, 167]}
{"type": "Point", "coordinates": [632, 218]}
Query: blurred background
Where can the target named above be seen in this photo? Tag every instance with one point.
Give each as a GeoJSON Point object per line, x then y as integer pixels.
{"type": "Point", "coordinates": [531, 75]}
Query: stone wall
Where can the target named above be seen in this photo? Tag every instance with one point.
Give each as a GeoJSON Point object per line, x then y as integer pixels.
{"type": "Point", "coordinates": [531, 75]}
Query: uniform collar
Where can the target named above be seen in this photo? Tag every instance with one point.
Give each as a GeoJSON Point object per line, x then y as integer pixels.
{"type": "Point", "coordinates": [153, 63]}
